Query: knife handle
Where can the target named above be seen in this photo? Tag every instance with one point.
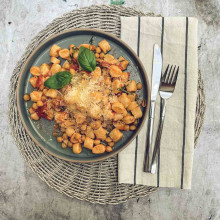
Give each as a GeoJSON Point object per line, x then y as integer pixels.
{"type": "Point", "coordinates": [158, 137]}
{"type": "Point", "coordinates": [149, 146]}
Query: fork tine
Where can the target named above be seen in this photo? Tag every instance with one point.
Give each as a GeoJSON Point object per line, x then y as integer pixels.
{"type": "Point", "coordinates": [176, 75]}
{"type": "Point", "coordinates": [172, 76]}
{"type": "Point", "coordinates": [168, 75]}
{"type": "Point", "coordinates": [165, 73]}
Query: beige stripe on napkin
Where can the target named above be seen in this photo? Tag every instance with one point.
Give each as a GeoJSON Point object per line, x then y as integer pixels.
{"type": "Point", "coordinates": [171, 153]}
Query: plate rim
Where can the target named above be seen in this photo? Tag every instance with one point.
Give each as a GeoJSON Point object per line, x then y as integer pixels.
{"type": "Point", "coordinates": [83, 30]}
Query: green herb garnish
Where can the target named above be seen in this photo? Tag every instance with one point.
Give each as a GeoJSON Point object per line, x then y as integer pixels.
{"type": "Point", "coordinates": [74, 49]}
{"type": "Point", "coordinates": [122, 89]}
{"type": "Point", "coordinates": [58, 80]}
{"type": "Point", "coordinates": [86, 59]}
{"type": "Point", "coordinates": [91, 41]}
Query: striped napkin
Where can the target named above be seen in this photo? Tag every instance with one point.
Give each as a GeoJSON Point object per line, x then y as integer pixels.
{"type": "Point", "coordinates": [177, 37]}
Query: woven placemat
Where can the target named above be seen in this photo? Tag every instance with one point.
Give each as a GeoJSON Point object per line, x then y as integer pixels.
{"type": "Point", "coordinates": [93, 182]}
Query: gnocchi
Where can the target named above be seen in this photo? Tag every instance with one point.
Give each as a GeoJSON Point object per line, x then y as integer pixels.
{"type": "Point", "coordinates": [54, 50]}
{"type": "Point", "coordinates": [105, 46]}
{"type": "Point", "coordinates": [45, 68]}
{"type": "Point", "coordinates": [95, 107]}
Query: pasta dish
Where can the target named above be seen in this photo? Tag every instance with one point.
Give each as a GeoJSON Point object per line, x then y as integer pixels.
{"type": "Point", "coordinates": [88, 93]}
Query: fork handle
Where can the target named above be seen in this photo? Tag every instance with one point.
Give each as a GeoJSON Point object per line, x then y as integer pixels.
{"type": "Point", "coordinates": [158, 138]}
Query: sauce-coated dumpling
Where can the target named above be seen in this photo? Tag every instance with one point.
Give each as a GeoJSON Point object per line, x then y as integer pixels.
{"type": "Point", "coordinates": [95, 107]}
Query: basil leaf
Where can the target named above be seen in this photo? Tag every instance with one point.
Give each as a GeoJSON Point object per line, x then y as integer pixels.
{"type": "Point", "coordinates": [58, 80]}
{"type": "Point", "coordinates": [86, 59]}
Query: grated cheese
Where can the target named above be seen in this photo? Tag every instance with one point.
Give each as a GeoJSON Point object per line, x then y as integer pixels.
{"type": "Point", "coordinates": [85, 93]}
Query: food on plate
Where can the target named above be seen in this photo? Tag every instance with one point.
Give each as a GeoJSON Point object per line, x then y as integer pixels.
{"type": "Point", "coordinates": [88, 93]}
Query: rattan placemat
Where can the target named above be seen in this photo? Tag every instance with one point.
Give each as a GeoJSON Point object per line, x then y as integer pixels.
{"type": "Point", "coordinates": [93, 182]}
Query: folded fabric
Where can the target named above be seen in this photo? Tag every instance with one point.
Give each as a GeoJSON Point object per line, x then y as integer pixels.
{"type": "Point", "coordinates": [177, 37]}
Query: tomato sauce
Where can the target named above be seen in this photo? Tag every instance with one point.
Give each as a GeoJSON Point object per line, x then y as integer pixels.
{"type": "Point", "coordinates": [41, 111]}
{"type": "Point", "coordinates": [74, 65]}
{"type": "Point", "coordinates": [40, 81]}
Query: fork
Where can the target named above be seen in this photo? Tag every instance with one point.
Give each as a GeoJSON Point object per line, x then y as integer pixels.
{"type": "Point", "coordinates": [166, 89]}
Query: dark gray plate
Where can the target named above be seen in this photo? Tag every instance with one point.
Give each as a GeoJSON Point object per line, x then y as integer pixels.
{"type": "Point", "coordinates": [41, 131]}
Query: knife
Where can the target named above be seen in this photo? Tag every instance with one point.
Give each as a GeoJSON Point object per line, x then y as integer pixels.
{"type": "Point", "coordinates": [156, 75]}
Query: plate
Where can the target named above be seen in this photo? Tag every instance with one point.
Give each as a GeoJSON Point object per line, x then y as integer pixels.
{"type": "Point", "coordinates": [41, 131]}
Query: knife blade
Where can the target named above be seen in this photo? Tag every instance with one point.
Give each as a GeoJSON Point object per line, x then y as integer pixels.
{"type": "Point", "coordinates": [156, 76]}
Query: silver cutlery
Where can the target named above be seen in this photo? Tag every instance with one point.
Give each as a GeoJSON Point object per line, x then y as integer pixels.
{"type": "Point", "coordinates": [167, 87]}
{"type": "Point", "coordinates": [156, 75]}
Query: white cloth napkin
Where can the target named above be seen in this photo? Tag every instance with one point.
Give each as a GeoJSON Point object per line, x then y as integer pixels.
{"type": "Point", "coordinates": [177, 37]}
